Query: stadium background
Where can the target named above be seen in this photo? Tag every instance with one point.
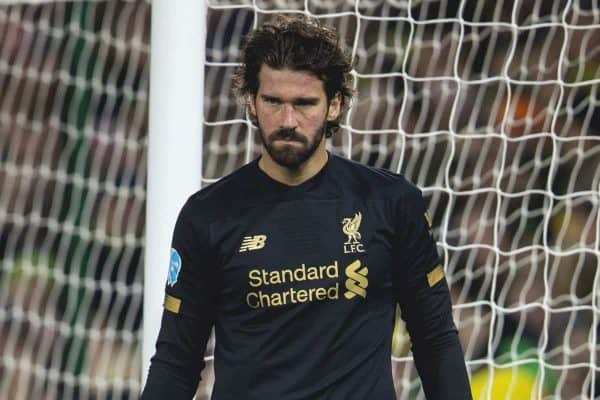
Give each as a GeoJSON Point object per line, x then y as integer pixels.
{"type": "Point", "coordinates": [491, 107]}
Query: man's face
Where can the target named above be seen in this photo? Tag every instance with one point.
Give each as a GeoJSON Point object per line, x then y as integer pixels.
{"type": "Point", "coordinates": [291, 110]}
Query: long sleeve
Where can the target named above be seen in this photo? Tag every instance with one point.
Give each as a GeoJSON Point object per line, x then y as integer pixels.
{"type": "Point", "coordinates": [438, 355]}
{"type": "Point", "coordinates": [424, 299]}
{"type": "Point", "coordinates": [189, 312]}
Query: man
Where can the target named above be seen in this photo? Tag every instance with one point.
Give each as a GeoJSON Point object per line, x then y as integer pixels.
{"type": "Point", "coordinates": [299, 258]}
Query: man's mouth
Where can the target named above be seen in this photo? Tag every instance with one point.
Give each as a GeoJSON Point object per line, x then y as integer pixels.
{"type": "Point", "coordinates": [288, 140]}
{"type": "Point", "coordinates": [288, 137]}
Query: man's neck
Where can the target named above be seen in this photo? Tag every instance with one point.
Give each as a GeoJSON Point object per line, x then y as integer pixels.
{"type": "Point", "coordinates": [294, 177]}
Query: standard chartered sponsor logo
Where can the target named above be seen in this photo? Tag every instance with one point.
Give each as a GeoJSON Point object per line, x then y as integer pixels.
{"type": "Point", "coordinates": [357, 281]}
{"type": "Point", "coordinates": [260, 299]}
{"type": "Point", "coordinates": [326, 284]}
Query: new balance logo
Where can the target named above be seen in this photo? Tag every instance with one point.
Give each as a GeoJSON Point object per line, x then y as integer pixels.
{"type": "Point", "coordinates": [357, 281]}
{"type": "Point", "coordinates": [253, 243]}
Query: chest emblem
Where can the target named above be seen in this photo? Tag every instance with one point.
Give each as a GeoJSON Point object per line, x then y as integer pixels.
{"type": "Point", "coordinates": [253, 243]}
{"type": "Point", "coordinates": [350, 227]}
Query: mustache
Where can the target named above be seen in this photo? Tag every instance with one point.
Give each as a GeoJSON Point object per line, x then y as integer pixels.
{"type": "Point", "coordinates": [288, 134]}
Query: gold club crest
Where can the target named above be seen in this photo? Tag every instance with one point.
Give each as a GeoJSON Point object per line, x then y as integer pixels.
{"type": "Point", "coordinates": [350, 227]}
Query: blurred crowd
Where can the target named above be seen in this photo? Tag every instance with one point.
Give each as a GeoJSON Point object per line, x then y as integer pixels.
{"type": "Point", "coordinates": [73, 128]}
{"type": "Point", "coordinates": [492, 108]}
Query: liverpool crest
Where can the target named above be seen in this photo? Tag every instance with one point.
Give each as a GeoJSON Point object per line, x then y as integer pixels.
{"type": "Point", "coordinates": [350, 227]}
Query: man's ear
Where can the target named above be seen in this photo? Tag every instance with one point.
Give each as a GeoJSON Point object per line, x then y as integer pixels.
{"type": "Point", "coordinates": [335, 107]}
{"type": "Point", "coordinates": [251, 104]}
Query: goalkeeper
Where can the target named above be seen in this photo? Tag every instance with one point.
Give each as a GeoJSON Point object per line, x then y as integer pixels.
{"type": "Point", "coordinates": [299, 258]}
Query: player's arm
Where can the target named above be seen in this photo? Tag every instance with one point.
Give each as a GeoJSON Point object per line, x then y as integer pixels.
{"type": "Point", "coordinates": [426, 308]}
{"type": "Point", "coordinates": [188, 315]}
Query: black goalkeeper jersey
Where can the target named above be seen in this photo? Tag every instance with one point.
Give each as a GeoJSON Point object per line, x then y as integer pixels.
{"type": "Point", "coordinates": [300, 284]}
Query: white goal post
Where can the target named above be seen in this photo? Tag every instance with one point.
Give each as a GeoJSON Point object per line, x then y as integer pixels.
{"type": "Point", "coordinates": [174, 142]}
{"type": "Point", "coordinates": [491, 107]}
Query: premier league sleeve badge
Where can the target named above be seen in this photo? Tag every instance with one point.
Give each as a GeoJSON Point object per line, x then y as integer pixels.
{"type": "Point", "coordinates": [174, 267]}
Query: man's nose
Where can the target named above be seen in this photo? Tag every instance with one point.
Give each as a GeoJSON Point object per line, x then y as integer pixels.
{"type": "Point", "coordinates": [288, 116]}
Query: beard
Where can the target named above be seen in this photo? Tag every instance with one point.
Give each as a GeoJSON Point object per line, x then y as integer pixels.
{"type": "Point", "coordinates": [291, 156]}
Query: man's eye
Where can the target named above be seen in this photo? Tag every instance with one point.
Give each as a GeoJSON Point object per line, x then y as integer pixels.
{"type": "Point", "coordinates": [304, 103]}
{"type": "Point", "coordinates": [272, 101]}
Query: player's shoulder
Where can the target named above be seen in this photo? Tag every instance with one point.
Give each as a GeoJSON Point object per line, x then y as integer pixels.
{"type": "Point", "coordinates": [222, 196]}
{"type": "Point", "coordinates": [369, 179]}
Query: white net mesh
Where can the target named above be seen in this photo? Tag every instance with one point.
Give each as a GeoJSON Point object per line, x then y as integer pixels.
{"type": "Point", "coordinates": [73, 111]}
{"type": "Point", "coordinates": [491, 107]}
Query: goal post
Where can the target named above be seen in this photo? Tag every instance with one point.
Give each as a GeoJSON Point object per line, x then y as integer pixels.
{"type": "Point", "coordinates": [174, 141]}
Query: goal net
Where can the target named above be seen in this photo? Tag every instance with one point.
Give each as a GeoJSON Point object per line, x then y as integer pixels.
{"type": "Point", "coordinates": [491, 107]}
{"type": "Point", "coordinates": [73, 112]}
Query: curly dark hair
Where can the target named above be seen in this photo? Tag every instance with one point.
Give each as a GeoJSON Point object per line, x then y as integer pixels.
{"type": "Point", "coordinates": [298, 43]}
